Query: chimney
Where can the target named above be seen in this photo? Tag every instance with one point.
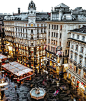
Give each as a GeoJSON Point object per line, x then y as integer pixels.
{"type": "Point", "coordinates": [18, 10]}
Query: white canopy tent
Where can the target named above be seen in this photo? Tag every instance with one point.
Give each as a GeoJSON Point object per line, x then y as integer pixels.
{"type": "Point", "coordinates": [17, 68]}
{"type": "Point", "coordinates": [3, 56]}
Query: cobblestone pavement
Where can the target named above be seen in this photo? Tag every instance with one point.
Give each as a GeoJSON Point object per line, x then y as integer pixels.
{"type": "Point", "coordinates": [21, 92]}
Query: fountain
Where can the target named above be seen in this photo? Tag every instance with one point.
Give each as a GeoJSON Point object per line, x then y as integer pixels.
{"type": "Point", "coordinates": [37, 93]}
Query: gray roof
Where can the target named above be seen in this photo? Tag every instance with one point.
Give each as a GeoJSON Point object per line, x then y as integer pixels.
{"type": "Point", "coordinates": [24, 16]}
{"type": "Point", "coordinates": [62, 5]}
{"type": "Point", "coordinates": [80, 30]}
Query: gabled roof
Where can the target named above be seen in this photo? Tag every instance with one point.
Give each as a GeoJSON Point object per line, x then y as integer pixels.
{"type": "Point", "coordinates": [62, 5]}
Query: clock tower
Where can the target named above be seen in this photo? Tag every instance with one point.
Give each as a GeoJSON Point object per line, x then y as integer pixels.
{"type": "Point", "coordinates": [31, 14]}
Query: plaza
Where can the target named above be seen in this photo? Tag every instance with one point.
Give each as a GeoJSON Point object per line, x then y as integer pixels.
{"type": "Point", "coordinates": [43, 55]}
{"type": "Point", "coordinates": [18, 92]}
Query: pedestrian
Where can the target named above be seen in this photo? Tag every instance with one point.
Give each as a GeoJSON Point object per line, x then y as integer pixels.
{"type": "Point", "coordinates": [17, 95]}
{"type": "Point", "coordinates": [15, 87]}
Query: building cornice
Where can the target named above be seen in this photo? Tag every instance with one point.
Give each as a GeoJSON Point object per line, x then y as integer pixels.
{"type": "Point", "coordinates": [65, 22]}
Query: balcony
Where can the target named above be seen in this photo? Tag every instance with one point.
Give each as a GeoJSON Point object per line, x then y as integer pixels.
{"type": "Point", "coordinates": [79, 65]}
{"type": "Point", "coordinates": [68, 46]}
{"type": "Point", "coordinates": [75, 63]}
{"type": "Point", "coordinates": [84, 69]}
{"type": "Point", "coordinates": [71, 61]}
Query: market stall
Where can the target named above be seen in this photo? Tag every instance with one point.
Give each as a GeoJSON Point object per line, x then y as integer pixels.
{"type": "Point", "coordinates": [18, 70]}
{"type": "Point", "coordinates": [3, 56]}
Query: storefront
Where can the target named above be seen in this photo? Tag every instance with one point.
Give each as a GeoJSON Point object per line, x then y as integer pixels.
{"type": "Point", "coordinates": [65, 70]}
{"type": "Point", "coordinates": [81, 88]}
{"type": "Point", "coordinates": [69, 76]}
{"type": "Point", "coordinates": [73, 81]}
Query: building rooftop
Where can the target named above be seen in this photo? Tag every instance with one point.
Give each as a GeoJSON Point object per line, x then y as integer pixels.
{"type": "Point", "coordinates": [24, 16]}
{"type": "Point", "coordinates": [62, 5]}
{"type": "Point", "coordinates": [80, 30]}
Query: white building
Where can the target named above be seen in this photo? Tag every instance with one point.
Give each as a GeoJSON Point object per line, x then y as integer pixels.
{"type": "Point", "coordinates": [77, 59]}
{"type": "Point", "coordinates": [62, 20]}
{"type": "Point", "coordinates": [25, 36]}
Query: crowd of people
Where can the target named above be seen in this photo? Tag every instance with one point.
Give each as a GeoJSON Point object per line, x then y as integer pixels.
{"type": "Point", "coordinates": [54, 92]}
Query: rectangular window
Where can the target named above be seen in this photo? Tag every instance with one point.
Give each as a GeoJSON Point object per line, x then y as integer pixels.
{"type": "Point", "coordinates": [56, 34]}
{"type": "Point", "coordinates": [73, 35]}
{"type": "Point", "coordinates": [41, 30]}
{"type": "Point", "coordinates": [75, 57]}
{"type": "Point", "coordinates": [80, 60]}
{"type": "Point", "coordinates": [57, 27]}
{"type": "Point", "coordinates": [48, 47]}
{"type": "Point", "coordinates": [44, 30]}
{"type": "Point", "coordinates": [52, 34]}
{"type": "Point", "coordinates": [49, 34]}
{"type": "Point", "coordinates": [54, 42]}
{"type": "Point", "coordinates": [71, 55]}
{"type": "Point", "coordinates": [77, 36]}
{"type": "Point", "coordinates": [60, 27]}
{"type": "Point", "coordinates": [72, 47]}
{"type": "Point", "coordinates": [52, 49]}
{"type": "Point", "coordinates": [60, 35]}
{"type": "Point", "coordinates": [31, 31]}
{"type": "Point", "coordinates": [65, 51]}
{"type": "Point", "coordinates": [85, 61]}
{"type": "Point", "coordinates": [79, 72]}
{"type": "Point", "coordinates": [49, 26]}
{"type": "Point", "coordinates": [52, 26]}
{"type": "Point", "coordinates": [76, 47]}
{"type": "Point", "coordinates": [37, 30]}
{"type": "Point", "coordinates": [48, 40]}
{"type": "Point", "coordinates": [83, 38]}
{"type": "Point", "coordinates": [81, 50]}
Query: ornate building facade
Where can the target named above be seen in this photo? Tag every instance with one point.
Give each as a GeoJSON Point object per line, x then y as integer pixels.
{"type": "Point", "coordinates": [25, 36]}
{"type": "Point", "coordinates": [77, 59]}
{"type": "Point", "coordinates": [62, 20]}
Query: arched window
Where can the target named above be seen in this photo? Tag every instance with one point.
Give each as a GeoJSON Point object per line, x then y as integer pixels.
{"type": "Point", "coordinates": [31, 11]}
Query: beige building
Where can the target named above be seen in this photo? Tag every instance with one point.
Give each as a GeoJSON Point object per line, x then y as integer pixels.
{"type": "Point", "coordinates": [25, 36]}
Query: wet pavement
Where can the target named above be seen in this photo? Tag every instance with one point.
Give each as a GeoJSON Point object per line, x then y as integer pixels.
{"type": "Point", "coordinates": [16, 92]}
